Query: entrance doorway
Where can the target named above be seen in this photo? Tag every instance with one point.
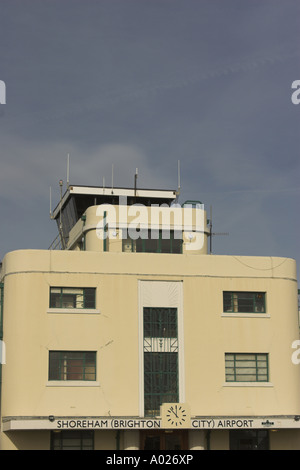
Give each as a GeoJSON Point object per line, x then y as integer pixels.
{"type": "Point", "coordinates": [164, 440]}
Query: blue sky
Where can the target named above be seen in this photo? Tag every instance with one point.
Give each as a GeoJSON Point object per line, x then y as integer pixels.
{"type": "Point", "coordinates": [145, 83]}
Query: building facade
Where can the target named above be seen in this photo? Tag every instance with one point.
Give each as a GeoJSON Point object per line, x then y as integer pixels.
{"type": "Point", "coordinates": [133, 336]}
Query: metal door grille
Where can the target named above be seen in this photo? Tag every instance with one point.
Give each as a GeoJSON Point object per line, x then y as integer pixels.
{"type": "Point", "coordinates": [160, 358]}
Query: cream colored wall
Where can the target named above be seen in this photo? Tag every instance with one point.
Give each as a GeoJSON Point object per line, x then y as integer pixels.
{"type": "Point", "coordinates": [29, 338]}
{"type": "Point", "coordinates": [208, 335]}
{"type": "Point", "coordinates": [30, 331]}
{"type": "Point", "coordinates": [28, 440]}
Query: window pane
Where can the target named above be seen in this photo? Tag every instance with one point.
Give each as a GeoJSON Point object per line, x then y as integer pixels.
{"type": "Point", "coordinates": [260, 302]}
{"type": "Point", "coordinates": [160, 322]}
{"type": "Point", "coordinates": [66, 365]}
{"type": "Point", "coordinates": [89, 298]}
{"type": "Point", "coordinates": [244, 302]}
{"type": "Point", "coordinates": [72, 297]}
{"type": "Point", "coordinates": [246, 367]}
{"type": "Point", "coordinates": [54, 365]}
{"type": "Point", "coordinates": [72, 440]}
{"type": "Point", "coordinates": [160, 380]}
{"type": "Point", "coordinates": [227, 302]}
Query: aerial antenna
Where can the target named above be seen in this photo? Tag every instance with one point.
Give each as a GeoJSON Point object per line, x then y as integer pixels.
{"type": "Point", "coordinates": [112, 178]}
{"type": "Point", "coordinates": [178, 179]}
{"type": "Point", "coordinates": [135, 181]}
{"type": "Point", "coordinates": [211, 233]}
{"type": "Point", "coordinates": [68, 171]}
{"type": "Point", "coordinates": [60, 216]}
{"type": "Point", "coordinates": [51, 216]}
{"type": "Point", "coordinates": [178, 182]}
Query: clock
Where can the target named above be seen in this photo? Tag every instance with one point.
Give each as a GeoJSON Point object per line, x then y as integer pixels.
{"type": "Point", "coordinates": [175, 415]}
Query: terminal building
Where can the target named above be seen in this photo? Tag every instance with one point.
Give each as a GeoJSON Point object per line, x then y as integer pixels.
{"type": "Point", "coordinates": [129, 334]}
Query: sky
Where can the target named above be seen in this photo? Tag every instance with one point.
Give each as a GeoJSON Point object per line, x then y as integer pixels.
{"type": "Point", "coordinates": [145, 84]}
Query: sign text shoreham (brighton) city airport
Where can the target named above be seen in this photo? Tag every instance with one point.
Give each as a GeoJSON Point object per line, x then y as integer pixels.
{"type": "Point", "coordinates": [117, 423]}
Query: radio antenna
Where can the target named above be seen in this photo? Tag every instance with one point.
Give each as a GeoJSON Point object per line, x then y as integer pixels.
{"type": "Point", "coordinates": [51, 203]}
{"type": "Point", "coordinates": [211, 233]}
{"type": "Point", "coordinates": [68, 170]}
{"type": "Point", "coordinates": [178, 180]}
{"type": "Point", "coordinates": [135, 181]}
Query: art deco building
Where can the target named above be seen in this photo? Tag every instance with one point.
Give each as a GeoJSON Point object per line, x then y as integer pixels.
{"type": "Point", "coordinates": [134, 336]}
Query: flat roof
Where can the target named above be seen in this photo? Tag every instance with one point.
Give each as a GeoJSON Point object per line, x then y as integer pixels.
{"type": "Point", "coordinates": [163, 194]}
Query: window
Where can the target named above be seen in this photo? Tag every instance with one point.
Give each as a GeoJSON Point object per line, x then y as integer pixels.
{"type": "Point", "coordinates": [156, 241]}
{"type": "Point", "coordinates": [72, 297]}
{"type": "Point", "coordinates": [72, 365]}
{"type": "Point", "coordinates": [246, 367]}
{"type": "Point", "coordinates": [244, 302]}
{"type": "Point", "coordinates": [160, 358]}
{"type": "Point", "coordinates": [254, 439]}
{"type": "Point", "coordinates": [72, 440]}
{"type": "Point", "coordinates": [160, 322]}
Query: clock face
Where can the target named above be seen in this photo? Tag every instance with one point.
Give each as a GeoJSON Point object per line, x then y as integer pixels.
{"type": "Point", "coordinates": [176, 415]}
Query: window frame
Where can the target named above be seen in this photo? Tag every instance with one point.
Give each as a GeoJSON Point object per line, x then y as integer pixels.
{"type": "Point", "coordinates": [237, 375]}
{"type": "Point", "coordinates": [234, 302]}
{"type": "Point", "coordinates": [73, 308]}
{"type": "Point", "coordinates": [57, 439]}
{"type": "Point", "coordinates": [61, 375]}
{"type": "Point", "coordinates": [161, 358]}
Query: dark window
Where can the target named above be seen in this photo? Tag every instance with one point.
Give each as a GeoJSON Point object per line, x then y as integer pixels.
{"type": "Point", "coordinates": [160, 322]}
{"type": "Point", "coordinates": [160, 380]}
{"type": "Point", "coordinates": [72, 440]}
{"type": "Point", "coordinates": [244, 302]}
{"type": "Point", "coordinates": [153, 241]}
{"type": "Point", "coordinates": [254, 439]}
{"type": "Point", "coordinates": [72, 365]}
{"type": "Point", "coordinates": [72, 297]}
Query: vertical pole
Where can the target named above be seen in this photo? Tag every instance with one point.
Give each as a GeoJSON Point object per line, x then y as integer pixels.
{"type": "Point", "coordinates": [104, 232]}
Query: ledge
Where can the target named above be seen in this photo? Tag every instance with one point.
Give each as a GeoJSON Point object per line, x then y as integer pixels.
{"type": "Point", "coordinates": [76, 311]}
{"type": "Point", "coordinates": [72, 383]}
{"type": "Point", "coordinates": [248, 384]}
{"type": "Point", "coordinates": [245, 315]}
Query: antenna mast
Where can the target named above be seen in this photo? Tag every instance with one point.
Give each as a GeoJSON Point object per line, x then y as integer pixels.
{"type": "Point", "coordinates": [211, 233]}
{"type": "Point", "coordinates": [178, 180]}
{"type": "Point", "coordinates": [135, 181]}
{"type": "Point", "coordinates": [51, 217]}
{"type": "Point", "coordinates": [68, 171]}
